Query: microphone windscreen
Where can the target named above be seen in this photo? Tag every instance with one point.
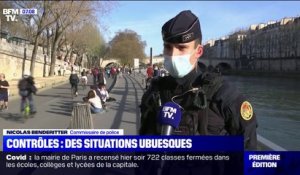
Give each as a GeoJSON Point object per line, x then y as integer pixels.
{"type": "Point", "coordinates": [170, 114]}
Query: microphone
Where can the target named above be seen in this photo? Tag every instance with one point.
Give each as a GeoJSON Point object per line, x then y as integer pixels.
{"type": "Point", "coordinates": [169, 117]}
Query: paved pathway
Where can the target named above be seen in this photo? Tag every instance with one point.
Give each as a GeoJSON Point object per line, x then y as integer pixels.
{"type": "Point", "coordinates": [125, 112]}
{"type": "Point", "coordinates": [54, 106]}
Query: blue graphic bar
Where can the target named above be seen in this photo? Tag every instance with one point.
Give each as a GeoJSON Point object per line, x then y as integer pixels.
{"type": "Point", "coordinates": [25, 143]}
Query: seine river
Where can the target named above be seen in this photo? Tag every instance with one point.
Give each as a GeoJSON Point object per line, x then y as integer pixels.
{"type": "Point", "coordinates": [276, 102]}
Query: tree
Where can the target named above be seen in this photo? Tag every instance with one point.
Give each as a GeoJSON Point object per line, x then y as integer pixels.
{"type": "Point", "coordinates": [127, 45]}
{"type": "Point", "coordinates": [71, 14]}
{"type": "Point", "coordinates": [52, 21]}
{"type": "Point", "coordinates": [36, 23]}
{"type": "Point", "coordinates": [88, 40]}
{"type": "Point", "coordinates": [66, 13]}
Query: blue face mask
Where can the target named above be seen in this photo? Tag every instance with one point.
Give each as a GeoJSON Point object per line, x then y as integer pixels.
{"type": "Point", "coordinates": [178, 66]}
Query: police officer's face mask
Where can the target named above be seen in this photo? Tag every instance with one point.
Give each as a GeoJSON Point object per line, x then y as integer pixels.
{"type": "Point", "coordinates": [178, 66]}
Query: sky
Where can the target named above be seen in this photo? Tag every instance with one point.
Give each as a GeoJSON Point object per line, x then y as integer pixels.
{"type": "Point", "coordinates": [217, 18]}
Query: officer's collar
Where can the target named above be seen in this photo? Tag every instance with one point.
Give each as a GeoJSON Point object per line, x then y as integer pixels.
{"type": "Point", "coordinates": [187, 80]}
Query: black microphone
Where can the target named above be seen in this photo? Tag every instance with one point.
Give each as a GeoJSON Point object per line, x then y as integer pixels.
{"type": "Point", "coordinates": [169, 117]}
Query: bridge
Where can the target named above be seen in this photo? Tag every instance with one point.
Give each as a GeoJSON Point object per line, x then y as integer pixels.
{"type": "Point", "coordinates": [287, 64]}
{"type": "Point", "coordinates": [108, 62]}
{"type": "Point", "coordinates": [111, 61]}
{"type": "Point", "coordinates": [221, 63]}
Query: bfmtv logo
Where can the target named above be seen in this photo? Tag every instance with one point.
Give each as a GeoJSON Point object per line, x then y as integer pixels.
{"type": "Point", "coordinates": [11, 14]}
{"type": "Point", "coordinates": [169, 112]}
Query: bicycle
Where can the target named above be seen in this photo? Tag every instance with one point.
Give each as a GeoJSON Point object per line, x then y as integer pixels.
{"type": "Point", "coordinates": [27, 111]}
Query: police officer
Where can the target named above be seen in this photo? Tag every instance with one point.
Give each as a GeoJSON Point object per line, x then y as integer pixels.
{"type": "Point", "coordinates": [210, 105]}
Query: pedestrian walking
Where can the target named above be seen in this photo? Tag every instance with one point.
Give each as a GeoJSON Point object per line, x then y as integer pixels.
{"type": "Point", "coordinates": [3, 92]}
{"type": "Point", "coordinates": [59, 70]}
{"type": "Point", "coordinates": [95, 72]}
{"type": "Point", "coordinates": [101, 76]}
{"type": "Point", "coordinates": [74, 80]}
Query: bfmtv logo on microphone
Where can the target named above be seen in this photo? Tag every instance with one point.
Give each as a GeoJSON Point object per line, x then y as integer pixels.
{"type": "Point", "coordinates": [170, 114]}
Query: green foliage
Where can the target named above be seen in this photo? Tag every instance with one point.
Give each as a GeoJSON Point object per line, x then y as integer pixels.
{"type": "Point", "coordinates": [126, 46]}
{"type": "Point", "coordinates": [89, 39]}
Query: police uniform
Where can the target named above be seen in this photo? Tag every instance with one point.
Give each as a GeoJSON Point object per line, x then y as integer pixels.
{"type": "Point", "coordinates": [210, 105]}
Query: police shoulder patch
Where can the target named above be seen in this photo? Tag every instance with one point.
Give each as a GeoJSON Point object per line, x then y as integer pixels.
{"type": "Point", "coordinates": [246, 110]}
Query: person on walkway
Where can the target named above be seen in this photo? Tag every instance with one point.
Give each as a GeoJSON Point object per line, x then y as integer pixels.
{"type": "Point", "coordinates": [101, 76]}
{"type": "Point", "coordinates": [59, 70]}
{"type": "Point", "coordinates": [120, 72]}
{"type": "Point", "coordinates": [84, 79]}
{"type": "Point", "coordinates": [3, 92]}
{"type": "Point", "coordinates": [104, 95]}
{"type": "Point", "coordinates": [163, 72]}
{"type": "Point", "coordinates": [83, 72]}
{"type": "Point", "coordinates": [107, 70]}
{"type": "Point", "coordinates": [150, 73]}
{"type": "Point", "coordinates": [155, 71]}
{"type": "Point", "coordinates": [26, 90]}
{"type": "Point", "coordinates": [94, 101]}
{"type": "Point", "coordinates": [130, 70]}
{"type": "Point", "coordinates": [96, 89]}
{"type": "Point", "coordinates": [95, 73]}
{"type": "Point", "coordinates": [113, 72]}
{"type": "Point", "coordinates": [74, 80]}
{"type": "Point", "coordinates": [65, 68]}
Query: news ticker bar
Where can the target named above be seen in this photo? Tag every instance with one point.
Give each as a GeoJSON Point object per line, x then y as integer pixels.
{"type": "Point", "coordinates": [118, 163]}
{"type": "Point", "coordinates": [247, 163]}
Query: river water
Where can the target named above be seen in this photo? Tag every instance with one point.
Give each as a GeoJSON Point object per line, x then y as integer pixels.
{"type": "Point", "coordinates": [276, 102]}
